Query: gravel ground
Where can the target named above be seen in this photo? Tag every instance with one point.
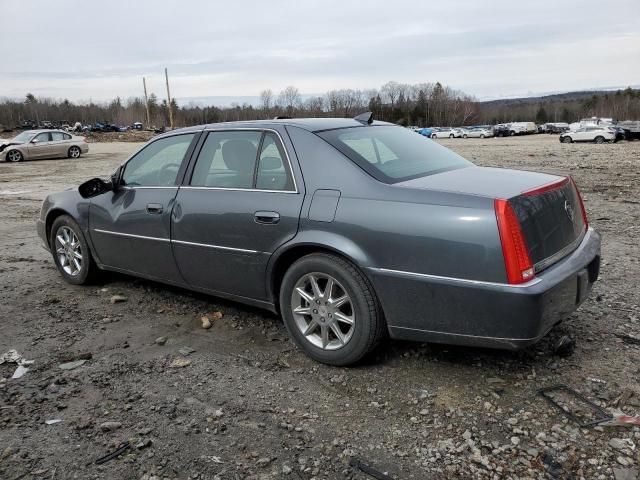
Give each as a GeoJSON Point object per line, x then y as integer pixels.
{"type": "Point", "coordinates": [241, 402]}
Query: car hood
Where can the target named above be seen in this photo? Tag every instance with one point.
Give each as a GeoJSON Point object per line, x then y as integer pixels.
{"type": "Point", "coordinates": [482, 181]}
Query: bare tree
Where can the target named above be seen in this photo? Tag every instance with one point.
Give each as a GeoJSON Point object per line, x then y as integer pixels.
{"type": "Point", "coordinates": [289, 99]}
{"type": "Point", "coordinates": [266, 101]}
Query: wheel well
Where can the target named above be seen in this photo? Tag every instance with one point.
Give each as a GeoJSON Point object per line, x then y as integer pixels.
{"type": "Point", "coordinates": [288, 258]}
{"type": "Point", "coordinates": [51, 217]}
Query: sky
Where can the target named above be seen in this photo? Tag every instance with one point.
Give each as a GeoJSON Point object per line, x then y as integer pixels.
{"type": "Point", "coordinates": [97, 50]}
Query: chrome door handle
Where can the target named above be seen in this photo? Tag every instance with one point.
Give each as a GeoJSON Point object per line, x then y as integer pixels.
{"type": "Point", "coordinates": [154, 208]}
{"type": "Point", "coordinates": [267, 217]}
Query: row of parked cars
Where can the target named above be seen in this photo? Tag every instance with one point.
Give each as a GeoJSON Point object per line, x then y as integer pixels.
{"type": "Point", "coordinates": [460, 132]}
{"type": "Point", "coordinates": [78, 126]}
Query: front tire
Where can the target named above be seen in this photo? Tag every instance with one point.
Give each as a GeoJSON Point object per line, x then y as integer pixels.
{"type": "Point", "coordinates": [330, 309]}
{"type": "Point", "coordinates": [451, 136]}
{"type": "Point", "coordinates": [14, 156]}
{"type": "Point", "coordinates": [74, 152]}
{"type": "Point", "coordinates": [433, 135]}
{"type": "Point", "coordinates": [482, 135]}
{"type": "Point", "coordinates": [464, 136]}
{"type": "Point", "coordinates": [599, 139]}
{"type": "Point", "coordinates": [567, 139]}
{"type": "Point", "coordinates": [70, 251]}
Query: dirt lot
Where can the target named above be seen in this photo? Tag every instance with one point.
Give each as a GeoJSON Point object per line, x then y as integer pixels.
{"type": "Point", "coordinates": [247, 404]}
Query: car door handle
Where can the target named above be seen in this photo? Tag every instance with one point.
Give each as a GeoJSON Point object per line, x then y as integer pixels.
{"type": "Point", "coordinates": [154, 208]}
{"type": "Point", "coordinates": [267, 217]}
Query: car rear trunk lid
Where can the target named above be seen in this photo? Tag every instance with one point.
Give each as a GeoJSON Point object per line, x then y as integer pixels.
{"type": "Point", "coordinates": [552, 221]}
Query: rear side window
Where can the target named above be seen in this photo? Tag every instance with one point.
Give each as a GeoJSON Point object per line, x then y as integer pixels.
{"type": "Point", "coordinates": [242, 159]}
{"type": "Point", "coordinates": [157, 164]}
{"type": "Point", "coordinates": [57, 136]}
{"type": "Point", "coordinates": [393, 154]}
{"type": "Point", "coordinates": [66, 136]}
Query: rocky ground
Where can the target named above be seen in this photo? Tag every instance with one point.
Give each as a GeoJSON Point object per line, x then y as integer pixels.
{"type": "Point", "coordinates": [127, 360]}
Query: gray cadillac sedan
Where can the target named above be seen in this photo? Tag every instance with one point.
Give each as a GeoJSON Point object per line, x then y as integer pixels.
{"type": "Point", "coordinates": [351, 229]}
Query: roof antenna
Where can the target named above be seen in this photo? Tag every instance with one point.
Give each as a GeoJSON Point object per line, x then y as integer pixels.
{"type": "Point", "coordinates": [365, 118]}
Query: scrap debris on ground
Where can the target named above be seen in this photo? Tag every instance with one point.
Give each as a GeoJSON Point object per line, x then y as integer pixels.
{"type": "Point", "coordinates": [150, 390]}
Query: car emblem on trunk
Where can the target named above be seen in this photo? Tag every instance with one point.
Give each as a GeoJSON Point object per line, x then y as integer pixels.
{"type": "Point", "coordinates": [569, 209]}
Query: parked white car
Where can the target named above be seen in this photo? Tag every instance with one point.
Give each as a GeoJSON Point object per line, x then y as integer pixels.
{"type": "Point", "coordinates": [446, 132]}
{"type": "Point", "coordinates": [477, 133]}
{"type": "Point", "coordinates": [589, 134]}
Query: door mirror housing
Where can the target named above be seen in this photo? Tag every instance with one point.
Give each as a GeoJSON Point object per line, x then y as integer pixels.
{"type": "Point", "coordinates": [95, 187]}
{"type": "Point", "coordinates": [35, 140]}
{"type": "Point", "coordinates": [116, 178]}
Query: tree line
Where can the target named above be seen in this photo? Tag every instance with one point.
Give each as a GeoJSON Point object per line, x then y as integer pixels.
{"type": "Point", "coordinates": [422, 104]}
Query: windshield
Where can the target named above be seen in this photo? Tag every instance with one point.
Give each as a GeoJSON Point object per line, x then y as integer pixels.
{"type": "Point", "coordinates": [393, 154]}
{"type": "Point", "coordinates": [24, 137]}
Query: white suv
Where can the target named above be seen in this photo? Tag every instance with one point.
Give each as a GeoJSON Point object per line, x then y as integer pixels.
{"type": "Point", "coordinates": [589, 134]}
{"type": "Point", "coordinates": [446, 132]}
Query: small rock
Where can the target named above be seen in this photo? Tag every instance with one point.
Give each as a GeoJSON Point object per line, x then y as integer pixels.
{"type": "Point", "coordinates": [621, 443]}
{"type": "Point", "coordinates": [53, 421]}
{"type": "Point", "coordinates": [466, 435]}
{"type": "Point", "coordinates": [625, 473]}
{"type": "Point", "coordinates": [264, 461]}
{"type": "Point", "coordinates": [565, 346]}
{"type": "Point", "coordinates": [623, 461]}
{"type": "Point", "coordinates": [515, 441]}
{"type": "Point", "coordinates": [161, 340]}
{"type": "Point", "coordinates": [286, 469]}
{"type": "Point", "coordinates": [118, 299]}
{"type": "Point", "coordinates": [206, 323]}
{"type": "Point", "coordinates": [180, 363]}
{"type": "Point", "coordinates": [495, 381]}
{"type": "Point", "coordinates": [110, 426]}
{"type": "Point", "coordinates": [186, 351]}
{"type": "Point", "coordinates": [71, 365]}
{"type": "Point", "coordinates": [144, 444]}
{"type": "Point", "coordinates": [217, 315]}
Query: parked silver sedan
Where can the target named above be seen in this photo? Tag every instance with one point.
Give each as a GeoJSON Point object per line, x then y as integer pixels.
{"type": "Point", "coordinates": [39, 144]}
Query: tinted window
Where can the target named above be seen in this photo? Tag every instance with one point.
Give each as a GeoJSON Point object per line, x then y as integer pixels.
{"type": "Point", "coordinates": [393, 154]}
{"type": "Point", "coordinates": [43, 137]}
{"type": "Point", "coordinates": [273, 171]}
{"type": "Point", "coordinates": [227, 160]}
{"type": "Point", "coordinates": [158, 163]}
{"type": "Point", "coordinates": [57, 136]}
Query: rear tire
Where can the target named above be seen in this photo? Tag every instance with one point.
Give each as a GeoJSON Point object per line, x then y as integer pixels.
{"type": "Point", "coordinates": [433, 135]}
{"type": "Point", "coordinates": [567, 139]}
{"type": "Point", "coordinates": [74, 152]}
{"type": "Point", "coordinates": [451, 136]}
{"type": "Point", "coordinates": [308, 315]}
{"type": "Point", "coordinates": [599, 139]}
{"type": "Point", "coordinates": [14, 156]}
{"type": "Point", "coordinates": [482, 135]}
{"type": "Point", "coordinates": [70, 251]}
{"type": "Point", "coordinates": [464, 136]}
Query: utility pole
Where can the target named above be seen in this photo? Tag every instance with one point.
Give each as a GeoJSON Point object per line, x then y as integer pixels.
{"type": "Point", "coordinates": [166, 76]}
{"type": "Point", "coordinates": [146, 102]}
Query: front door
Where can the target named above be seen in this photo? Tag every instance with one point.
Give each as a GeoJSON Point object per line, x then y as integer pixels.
{"type": "Point", "coordinates": [130, 227]}
{"type": "Point", "coordinates": [239, 204]}
{"type": "Point", "coordinates": [41, 146]}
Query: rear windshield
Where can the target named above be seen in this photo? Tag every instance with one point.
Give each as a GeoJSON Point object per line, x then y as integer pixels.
{"type": "Point", "coordinates": [393, 154]}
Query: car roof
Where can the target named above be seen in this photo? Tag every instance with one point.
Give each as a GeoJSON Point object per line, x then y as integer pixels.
{"type": "Point", "coordinates": [310, 124]}
{"type": "Point", "coordinates": [46, 130]}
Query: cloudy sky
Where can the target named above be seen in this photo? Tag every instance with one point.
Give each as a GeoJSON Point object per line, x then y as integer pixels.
{"type": "Point", "coordinates": [101, 49]}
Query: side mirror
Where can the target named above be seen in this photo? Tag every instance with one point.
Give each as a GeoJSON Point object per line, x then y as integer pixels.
{"type": "Point", "coordinates": [35, 140]}
{"type": "Point", "coordinates": [116, 178]}
{"type": "Point", "coordinates": [94, 187]}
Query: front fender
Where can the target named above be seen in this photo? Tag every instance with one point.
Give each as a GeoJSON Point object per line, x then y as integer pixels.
{"type": "Point", "coordinates": [68, 202]}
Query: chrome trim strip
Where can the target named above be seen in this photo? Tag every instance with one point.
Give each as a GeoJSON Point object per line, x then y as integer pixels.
{"type": "Point", "coordinates": [218, 247]}
{"type": "Point", "coordinates": [130, 235]}
{"type": "Point", "coordinates": [141, 187]}
{"type": "Point", "coordinates": [457, 280]}
{"type": "Point", "coordinates": [189, 187]}
{"type": "Point", "coordinates": [465, 335]}
{"type": "Point", "coordinates": [286, 154]}
{"type": "Point", "coordinates": [560, 254]}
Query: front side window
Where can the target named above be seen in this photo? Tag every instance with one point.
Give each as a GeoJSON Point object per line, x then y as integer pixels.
{"type": "Point", "coordinates": [393, 154]}
{"type": "Point", "coordinates": [157, 164]}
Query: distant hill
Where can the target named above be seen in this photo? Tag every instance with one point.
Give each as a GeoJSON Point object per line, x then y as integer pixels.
{"type": "Point", "coordinates": [556, 97]}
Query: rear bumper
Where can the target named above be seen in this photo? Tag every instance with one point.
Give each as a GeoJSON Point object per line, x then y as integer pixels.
{"type": "Point", "coordinates": [430, 308]}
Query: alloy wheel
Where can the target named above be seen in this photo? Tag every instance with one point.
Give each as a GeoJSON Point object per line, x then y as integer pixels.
{"type": "Point", "coordinates": [74, 152]}
{"type": "Point", "coordinates": [69, 251]}
{"type": "Point", "coordinates": [323, 311]}
{"type": "Point", "coordinates": [14, 156]}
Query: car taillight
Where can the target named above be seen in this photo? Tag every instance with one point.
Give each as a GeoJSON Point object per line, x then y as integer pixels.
{"type": "Point", "coordinates": [584, 210]}
{"type": "Point", "coordinates": [517, 261]}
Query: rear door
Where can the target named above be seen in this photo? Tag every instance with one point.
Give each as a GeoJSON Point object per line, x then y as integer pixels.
{"type": "Point", "coordinates": [240, 202]}
{"type": "Point", "coordinates": [40, 146]}
{"type": "Point", "coordinates": [58, 144]}
{"type": "Point", "coordinates": [130, 227]}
